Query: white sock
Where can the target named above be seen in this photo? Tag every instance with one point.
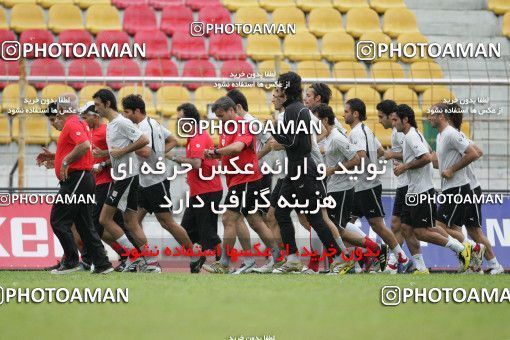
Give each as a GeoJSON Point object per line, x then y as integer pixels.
{"type": "Point", "coordinates": [341, 244]}
{"type": "Point", "coordinates": [353, 228]}
{"type": "Point", "coordinates": [471, 242]}
{"type": "Point", "coordinates": [454, 245]}
{"type": "Point", "coordinates": [315, 242]}
{"type": "Point", "coordinates": [292, 258]}
{"type": "Point", "coordinates": [393, 259]}
{"type": "Point", "coordinates": [398, 251]}
{"type": "Point", "coordinates": [124, 241]}
{"type": "Point", "coordinates": [493, 263]}
{"type": "Point", "coordinates": [419, 262]}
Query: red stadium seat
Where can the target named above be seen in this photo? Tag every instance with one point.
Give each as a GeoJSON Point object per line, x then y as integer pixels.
{"type": "Point", "coordinates": [139, 18]}
{"type": "Point", "coordinates": [74, 37]}
{"type": "Point", "coordinates": [198, 68]}
{"type": "Point", "coordinates": [223, 47]}
{"type": "Point", "coordinates": [198, 4]}
{"type": "Point", "coordinates": [7, 35]}
{"type": "Point", "coordinates": [176, 18]}
{"type": "Point", "coordinates": [160, 68]}
{"type": "Point", "coordinates": [8, 68]}
{"type": "Point", "coordinates": [236, 67]}
{"type": "Point", "coordinates": [184, 46]}
{"type": "Point", "coordinates": [46, 67]}
{"type": "Point", "coordinates": [156, 45]}
{"type": "Point", "coordinates": [86, 68]}
{"type": "Point", "coordinates": [122, 4]}
{"type": "Point", "coordinates": [122, 68]}
{"type": "Point", "coordinates": [37, 36]}
{"type": "Point", "coordinates": [111, 37]}
{"type": "Point", "coordinates": [214, 15]}
{"type": "Point", "coordinates": [160, 4]}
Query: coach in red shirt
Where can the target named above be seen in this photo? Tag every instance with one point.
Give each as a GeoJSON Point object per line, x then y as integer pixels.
{"type": "Point", "coordinates": [73, 162]}
{"type": "Point", "coordinates": [200, 223]}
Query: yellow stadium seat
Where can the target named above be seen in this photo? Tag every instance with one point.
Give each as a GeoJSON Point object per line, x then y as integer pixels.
{"type": "Point", "coordinates": [499, 7]}
{"type": "Point", "coordinates": [54, 134]}
{"type": "Point", "coordinates": [466, 128]}
{"type": "Point", "coordinates": [402, 94]}
{"type": "Point", "coordinates": [506, 25]}
{"type": "Point", "coordinates": [338, 46]}
{"type": "Point", "coordinates": [325, 20]}
{"type": "Point", "coordinates": [383, 135]}
{"type": "Point", "coordinates": [146, 94]}
{"type": "Point", "coordinates": [380, 6]}
{"type": "Point", "coordinates": [169, 97]}
{"type": "Point", "coordinates": [205, 95]}
{"type": "Point", "coordinates": [53, 91]}
{"type": "Point", "coordinates": [11, 3]}
{"type": "Point", "coordinates": [10, 96]}
{"type": "Point", "coordinates": [63, 17]}
{"type": "Point", "coordinates": [387, 70]}
{"type": "Point", "coordinates": [263, 47]}
{"type": "Point", "coordinates": [234, 5]}
{"type": "Point", "coordinates": [3, 21]}
{"type": "Point", "coordinates": [301, 46]}
{"type": "Point", "coordinates": [257, 102]}
{"type": "Point", "coordinates": [362, 20]}
{"type": "Point", "coordinates": [27, 16]}
{"type": "Point", "coordinates": [349, 69]}
{"type": "Point", "coordinates": [313, 69]}
{"type": "Point", "coordinates": [251, 15]}
{"type": "Point", "coordinates": [36, 130]}
{"type": "Point", "coordinates": [434, 95]}
{"type": "Point", "coordinates": [377, 38]}
{"type": "Point", "coordinates": [368, 95]}
{"type": "Point", "coordinates": [88, 91]}
{"type": "Point", "coordinates": [406, 38]}
{"type": "Point", "coordinates": [271, 5]}
{"type": "Point", "coordinates": [424, 69]}
{"type": "Point", "coordinates": [290, 15]}
{"type": "Point", "coordinates": [308, 5]}
{"type": "Point", "coordinates": [84, 4]}
{"type": "Point", "coordinates": [345, 5]}
{"type": "Point", "coordinates": [5, 130]}
{"type": "Point", "coordinates": [172, 127]}
{"type": "Point", "coordinates": [398, 21]}
{"type": "Point", "coordinates": [337, 103]}
{"type": "Point", "coordinates": [269, 66]}
{"type": "Point", "coordinates": [102, 18]}
{"type": "Point", "coordinates": [49, 3]}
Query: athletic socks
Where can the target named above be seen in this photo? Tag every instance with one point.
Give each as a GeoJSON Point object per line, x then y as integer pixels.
{"type": "Point", "coordinates": [419, 262]}
{"type": "Point", "coordinates": [224, 259]}
{"type": "Point", "coordinates": [493, 263]}
{"type": "Point", "coordinates": [292, 258]}
{"type": "Point", "coordinates": [399, 254]}
{"type": "Point", "coordinates": [341, 244]}
{"type": "Point", "coordinates": [352, 228]}
{"type": "Point", "coordinates": [454, 245]}
{"type": "Point", "coordinates": [369, 244]}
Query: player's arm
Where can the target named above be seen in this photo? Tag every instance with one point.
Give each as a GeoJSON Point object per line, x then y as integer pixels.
{"type": "Point", "coordinates": [349, 164]}
{"type": "Point", "coordinates": [170, 143]}
{"type": "Point", "coordinates": [380, 152]}
{"type": "Point", "coordinates": [388, 154]}
{"type": "Point", "coordinates": [271, 145]}
{"type": "Point", "coordinates": [435, 161]}
{"type": "Point", "coordinates": [418, 162]}
{"type": "Point", "coordinates": [196, 163]}
{"type": "Point", "coordinates": [231, 150]}
{"type": "Point", "coordinates": [78, 152]}
{"type": "Point", "coordinates": [470, 155]}
{"type": "Point", "coordinates": [479, 151]}
{"type": "Point", "coordinates": [141, 142]}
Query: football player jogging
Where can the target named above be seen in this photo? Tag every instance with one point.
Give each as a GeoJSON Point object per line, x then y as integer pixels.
{"type": "Point", "coordinates": [367, 193]}
{"type": "Point", "coordinates": [417, 166]}
{"type": "Point", "coordinates": [123, 139]}
{"type": "Point", "coordinates": [401, 231]}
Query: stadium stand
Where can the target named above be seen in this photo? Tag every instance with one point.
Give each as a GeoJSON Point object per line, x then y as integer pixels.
{"type": "Point", "coordinates": [380, 6]}
{"type": "Point", "coordinates": [234, 5]}
{"type": "Point", "coordinates": [309, 5]}
{"type": "Point", "coordinates": [122, 68]}
{"type": "Point", "coordinates": [27, 16]}
{"type": "Point", "coordinates": [198, 68]}
{"type": "Point", "coordinates": [386, 70]}
{"type": "Point", "coordinates": [84, 67]}
{"type": "Point", "coordinates": [63, 17]}
{"type": "Point", "coordinates": [169, 98]}
{"type": "Point", "coordinates": [139, 18]}
{"type": "Point", "coordinates": [301, 46]}
{"type": "Point", "coordinates": [271, 5]}
{"type": "Point", "coordinates": [184, 46]}
{"type": "Point", "coordinates": [362, 20]}
{"type": "Point", "coordinates": [160, 68]}
{"type": "Point", "coordinates": [46, 67]}
{"type": "Point", "coordinates": [224, 47]}
{"type": "Point", "coordinates": [325, 20]}
{"type": "Point", "coordinates": [263, 47]}
{"type": "Point", "coordinates": [398, 21]}
{"type": "Point", "coordinates": [176, 19]}
{"type": "Point", "coordinates": [236, 67]}
{"type": "Point", "coordinates": [348, 69]}
{"type": "Point", "coordinates": [102, 17]}
{"type": "Point", "coordinates": [345, 5]}
{"type": "Point", "coordinates": [35, 36]}
{"type": "Point", "coordinates": [338, 46]}
{"type": "Point", "coordinates": [112, 37]}
{"type": "Point", "coordinates": [286, 15]}
{"type": "Point", "coordinates": [156, 44]}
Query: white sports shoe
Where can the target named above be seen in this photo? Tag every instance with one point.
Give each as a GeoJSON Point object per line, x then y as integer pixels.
{"type": "Point", "coordinates": [245, 268]}
{"type": "Point", "coordinates": [497, 270]}
{"type": "Point", "coordinates": [477, 259]}
{"type": "Point", "coordinates": [308, 271]}
{"type": "Point", "coordinates": [150, 267]}
{"type": "Point", "coordinates": [131, 265]}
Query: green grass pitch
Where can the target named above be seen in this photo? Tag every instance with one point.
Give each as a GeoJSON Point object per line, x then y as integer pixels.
{"type": "Point", "coordinates": [184, 306]}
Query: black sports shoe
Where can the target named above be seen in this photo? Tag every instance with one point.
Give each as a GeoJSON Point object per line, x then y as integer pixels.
{"type": "Point", "coordinates": [65, 268]}
{"type": "Point", "coordinates": [197, 265]}
{"type": "Point", "coordinates": [103, 270]}
{"type": "Point", "coordinates": [383, 256]}
{"type": "Point", "coordinates": [122, 265]}
{"type": "Point", "coordinates": [84, 266]}
{"type": "Point", "coordinates": [49, 269]}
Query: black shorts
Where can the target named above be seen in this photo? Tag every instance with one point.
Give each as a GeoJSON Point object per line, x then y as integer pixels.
{"type": "Point", "coordinates": [152, 197]}
{"type": "Point", "coordinates": [368, 203]}
{"type": "Point", "coordinates": [275, 194]}
{"type": "Point", "coordinates": [123, 194]}
{"type": "Point", "coordinates": [265, 186]}
{"type": "Point", "coordinates": [251, 192]}
{"type": "Point", "coordinates": [473, 211]}
{"type": "Point", "coordinates": [341, 214]}
{"type": "Point", "coordinates": [421, 215]}
{"type": "Point", "coordinates": [451, 213]}
{"type": "Point", "coordinates": [400, 197]}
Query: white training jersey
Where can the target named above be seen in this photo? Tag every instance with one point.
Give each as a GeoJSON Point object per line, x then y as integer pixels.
{"type": "Point", "coordinates": [473, 181]}
{"type": "Point", "coordinates": [397, 143]}
{"type": "Point", "coordinates": [451, 145]}
{"type": "Point", "coordinates": [338, 149]}
{"type": "Point", "coordinates": [415, 145]}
